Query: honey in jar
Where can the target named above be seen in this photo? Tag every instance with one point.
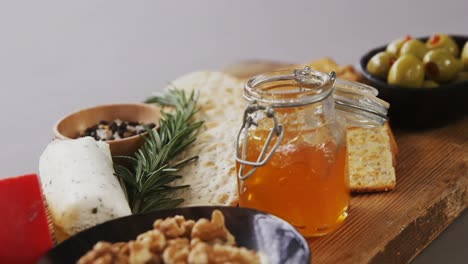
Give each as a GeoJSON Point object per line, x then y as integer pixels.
{"type": "Point", "coordinates": [291, 151]}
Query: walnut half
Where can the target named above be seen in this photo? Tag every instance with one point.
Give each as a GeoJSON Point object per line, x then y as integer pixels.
{"type": "Point", "coordinates": [174, 227]}
{"type": "Point", "coordinates": [105, 253]}
{"type": "Point", "coordinates": [214, 231]}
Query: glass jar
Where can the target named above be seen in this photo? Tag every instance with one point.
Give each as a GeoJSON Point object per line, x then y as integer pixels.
{"type": "Point", "coordinates": [291, 150]}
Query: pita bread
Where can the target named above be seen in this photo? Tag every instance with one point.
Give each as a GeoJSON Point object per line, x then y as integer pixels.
{"type": "Point", "coordinates": [212, 178]}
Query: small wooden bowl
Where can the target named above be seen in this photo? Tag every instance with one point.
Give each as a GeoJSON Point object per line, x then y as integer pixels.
{"type": "Point", "coordinates": [72, 125]}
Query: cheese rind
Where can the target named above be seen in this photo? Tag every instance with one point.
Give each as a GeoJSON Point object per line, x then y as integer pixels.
{"type": "Point", "coordinates": [79, 184]}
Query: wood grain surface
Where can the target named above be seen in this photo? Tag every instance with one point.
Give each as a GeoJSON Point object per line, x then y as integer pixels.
{"type": "Point", "coordinates": [393, 227]}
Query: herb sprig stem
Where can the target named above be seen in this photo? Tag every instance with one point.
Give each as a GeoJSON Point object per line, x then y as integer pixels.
{"type": "Point", "coordinates": [148, 181]}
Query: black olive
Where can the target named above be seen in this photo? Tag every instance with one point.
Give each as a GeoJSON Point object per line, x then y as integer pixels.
{"type": "Point", "coordinates": [132, 123]}
{"type": "Point", "coordinates": [103, 122]}
{"type": "Point", "coordinates": [151, 125]}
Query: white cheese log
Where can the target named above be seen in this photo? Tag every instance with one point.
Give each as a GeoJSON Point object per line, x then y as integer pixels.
{"type": "Point", "coordinates": [78, 181]}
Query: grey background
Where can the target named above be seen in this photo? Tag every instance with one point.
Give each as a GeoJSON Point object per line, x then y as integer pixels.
{"type": "Point", "coordinates": [59, 56]}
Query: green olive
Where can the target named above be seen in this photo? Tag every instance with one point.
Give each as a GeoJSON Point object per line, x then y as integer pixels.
{"type": "Point", "coordinates": [443, 41]}
{"type": "Point", "coordinates": [464, 56]}
{"type": "Point", "coordinates": [461, 77]}
{"type": "Point", "coordinates": [441, 66]}
{"type": "Point", "coordinates": [415, 47]}
{"type": "Point", "coordinates": [430, 84]}
{"type": "Point", "coordinates": [407, 71]}
{"type": "Point", "coordinates": [394, 46]}
{"type": "Point", "coordinates": [380, 63]}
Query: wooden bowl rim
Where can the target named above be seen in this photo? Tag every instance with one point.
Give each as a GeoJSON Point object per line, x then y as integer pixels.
{"type": "Point", "coordinates": [59, 135]}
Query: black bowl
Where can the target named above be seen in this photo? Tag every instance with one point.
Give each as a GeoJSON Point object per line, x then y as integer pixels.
{"type": "Point", "coordinates": [253, 229]}
{"type": "Point", "coordinates": [417, 108]}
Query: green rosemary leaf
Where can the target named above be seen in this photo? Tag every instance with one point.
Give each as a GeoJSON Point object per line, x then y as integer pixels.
{"type": "Point", "coordinates": [153, 179]}
{"type": "Point", "coordinates": [125, 174]}
{"type": "Point", "coordinates": [166, 180]}
{"type": "Point", "coordinates": [161, 204]}
{"type": "Point", "coordinates": [183, 162]}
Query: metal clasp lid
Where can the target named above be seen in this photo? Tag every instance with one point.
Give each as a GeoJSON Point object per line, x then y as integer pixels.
{"type": "Point", "coordinates": [323, 84]}
{"type": "Point", "coordinates": [277, 130]}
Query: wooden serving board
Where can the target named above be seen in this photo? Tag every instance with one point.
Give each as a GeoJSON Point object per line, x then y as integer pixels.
{"type": "Point", "coordinates": [393, 227]}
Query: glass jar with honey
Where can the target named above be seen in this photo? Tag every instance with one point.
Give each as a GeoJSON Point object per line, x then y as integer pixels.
{"type": "Point", "coordinates": [291, 149]}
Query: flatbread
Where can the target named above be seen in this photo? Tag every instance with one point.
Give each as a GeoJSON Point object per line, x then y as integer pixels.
{"type": "Point", "coordinates": [212, 178]}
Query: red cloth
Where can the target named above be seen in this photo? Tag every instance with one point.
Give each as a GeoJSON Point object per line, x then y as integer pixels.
{"type": "Point", "coordinates": [24, 230]}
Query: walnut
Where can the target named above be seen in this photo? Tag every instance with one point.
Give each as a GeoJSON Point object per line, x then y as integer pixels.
{"type": "Point", "coordinates": [103, 253]}
{"type": "Point", "coordinates": [177, 251]}
{"type": "Point", "coordinates": [154, 240]}
{"type": "Point", "coordinates": [204, 253]}
{"type": "Point", "coordinates": [199, 253]}
{"type": "Point", "coordinates": [140, 254]}
{"type": "Point", "coordinates": [232, 254]}
{"type": "Point", "coordinates": [121, 248]}
{"type": "Point", "coordinates": [214, 232]}
{"type": "Point", "coordinates": [174, 227]}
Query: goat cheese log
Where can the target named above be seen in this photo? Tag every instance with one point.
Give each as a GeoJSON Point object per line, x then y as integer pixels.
{"type": "Point", "coordinates": [79, 185]}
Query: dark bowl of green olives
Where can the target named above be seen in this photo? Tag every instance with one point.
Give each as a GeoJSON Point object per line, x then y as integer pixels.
{"type": "Point", "coordinates": [425, 86]}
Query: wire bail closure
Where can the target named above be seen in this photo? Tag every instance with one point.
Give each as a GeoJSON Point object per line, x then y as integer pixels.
{"type": "Point", "coordinates": [301, 76]}
{"type": "Point", "coordinates": [263, 158]}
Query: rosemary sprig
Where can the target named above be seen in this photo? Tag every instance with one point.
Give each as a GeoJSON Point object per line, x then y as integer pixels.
{"type": "Point", "coordinates": [147, 182]}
